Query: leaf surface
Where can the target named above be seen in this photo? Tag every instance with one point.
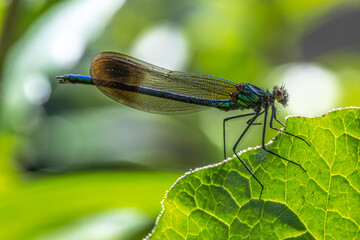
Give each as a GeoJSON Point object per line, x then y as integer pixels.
{"type": "Point", "coordinates": [221, 201]}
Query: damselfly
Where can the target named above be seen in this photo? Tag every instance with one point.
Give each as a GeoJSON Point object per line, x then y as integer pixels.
{"type": "Point", "coordinates": [154, 89]}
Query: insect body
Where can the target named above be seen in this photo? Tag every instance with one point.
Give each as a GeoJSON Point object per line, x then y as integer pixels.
{"type": "Point", "coordinates": [154, 89]}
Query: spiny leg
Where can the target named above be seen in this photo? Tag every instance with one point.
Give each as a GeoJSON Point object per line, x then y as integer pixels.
{"type": "Point", "coordinates": [257, 114]}
{"type": "Point", "coordinates": [273, 116]}
{"type": "Point", "coordinates": [263, 140]}
{"type": "Point", "coordinates": [248, 121]}
{"type": "Point", "coordinates": [273, 111]}
{"type": "Point", "coordinates": [224, 124]}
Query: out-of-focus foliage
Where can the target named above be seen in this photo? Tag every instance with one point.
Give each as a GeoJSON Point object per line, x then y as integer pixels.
{"type": "Point", "coordinates": [49, 133]}
{"type": "Point", "coordinates": [58, 204]}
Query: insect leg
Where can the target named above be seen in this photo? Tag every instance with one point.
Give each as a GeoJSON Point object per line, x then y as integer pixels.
{"type": "Point", "coordinates": [224, 124]}
{"type": "Point", "coordinates": [273, 116]}
{"type": "Point", "coordinates": [263, 140]}
{"type": "Point", "coordinates": [237, 143]}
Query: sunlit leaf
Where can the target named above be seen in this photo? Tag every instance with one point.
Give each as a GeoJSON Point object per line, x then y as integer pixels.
{"type": "Point", "coordinates": [222, 202]}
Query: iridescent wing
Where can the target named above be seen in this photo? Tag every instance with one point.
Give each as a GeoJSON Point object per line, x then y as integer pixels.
{"type": "Point", "coordinates": [116, 67]}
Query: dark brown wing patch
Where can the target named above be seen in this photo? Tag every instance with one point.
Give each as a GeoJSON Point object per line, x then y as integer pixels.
{"type": "Point", "coordinates": [116, 67]}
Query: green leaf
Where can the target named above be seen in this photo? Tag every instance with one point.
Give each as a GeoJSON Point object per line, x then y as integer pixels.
{"type": "Point", "coordinates": [221, 201]}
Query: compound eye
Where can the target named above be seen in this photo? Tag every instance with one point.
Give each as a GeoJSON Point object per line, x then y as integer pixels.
{"type": "Point", "coordinates": [278, 94]}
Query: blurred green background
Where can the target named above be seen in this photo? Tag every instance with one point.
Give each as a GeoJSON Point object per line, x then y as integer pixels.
{"type": "Point", "coordinates": [76, 165]}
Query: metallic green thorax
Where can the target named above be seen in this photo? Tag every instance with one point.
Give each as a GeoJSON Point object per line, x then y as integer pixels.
{"type": "Point", "coordinates": [247, 97]}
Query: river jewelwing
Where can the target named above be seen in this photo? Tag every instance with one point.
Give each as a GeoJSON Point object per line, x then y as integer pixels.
{"type": "Point", "coordinates": [149, 88]}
